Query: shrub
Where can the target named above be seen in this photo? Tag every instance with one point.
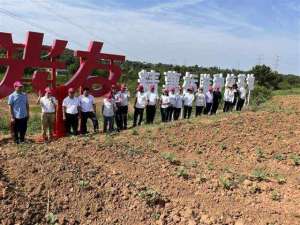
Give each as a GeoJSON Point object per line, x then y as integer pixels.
{"type": "Point", "coordinates": [169, 156]}
{"type": "Point", "coordinates": [259, 174]}
{"type": "Point", "coordinates": [151, 197]}
{"type": "Point", "coordinates": [182, 172]}
{"type": "Point", "coordinates": [260, 95]}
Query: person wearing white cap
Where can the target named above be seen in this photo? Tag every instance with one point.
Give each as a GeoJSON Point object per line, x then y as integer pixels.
{"type": "Point", "coordinates": [71, 110]}
{"type": "Point", "coordinates": [19, 112]}
{"type": "Point", "coordinates": [139, 106]}
{"type": "Point", "coordinates": [164, 105]}
{"type": "Point", "coordinates": [151, 106]}
{"type": "Point", "coordinates": [108, 111]}
{"type": "Point", "coordinates": [188, 99]}
{"type": "Point", "coordinates": [178, 105]}
{"type": "Point", "coordinates": [200, 101]}
{"type": "Point", "coordinates": [48, 105]}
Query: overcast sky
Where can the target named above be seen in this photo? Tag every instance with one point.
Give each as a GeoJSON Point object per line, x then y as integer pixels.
{"type": "Point", "coordinates": [225, 33]}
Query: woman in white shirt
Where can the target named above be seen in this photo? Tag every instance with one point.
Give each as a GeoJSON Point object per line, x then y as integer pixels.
{"type": "Point", "coordinates": [164, 105]}
{"type": "Point", "coordinates": [200, 102]}
{"type": "Point", "coordinates": [209, 100]}
{"type": "Point", "coordinates": [178, 105]}
{"type": "Point", "coordinates": [228, 98]}
{"type": "Point", "coordinates": [188, 100]}
{"type": "Point", "coordinates": [108, 112]}
{"type": "Point", "coordinates": [139, 106]}
{"type": "Point", "coordinates": [151, 106]}
{"type": "Point", "coordinates": [71, 109]}
{"type": "Point", "coordinates": [48, 104]}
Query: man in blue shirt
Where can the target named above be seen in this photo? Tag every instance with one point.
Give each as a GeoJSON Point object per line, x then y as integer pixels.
{"type": "Point", "coordinates": [19, 112]}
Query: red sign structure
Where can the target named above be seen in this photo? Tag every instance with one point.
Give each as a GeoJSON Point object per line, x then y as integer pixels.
{"type": "Point", "coordinates": [32, 50]}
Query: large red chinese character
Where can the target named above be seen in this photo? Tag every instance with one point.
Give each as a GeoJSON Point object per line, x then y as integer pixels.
{"type": "Point", "coordinates": [32, 50]}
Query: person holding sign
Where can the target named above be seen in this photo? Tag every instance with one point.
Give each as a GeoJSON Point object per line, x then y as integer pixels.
{"type": "Point", "coordinates": [151, 106]}
{"type": "Point", "coordinates": [172, 99]}
{"type": "Point", "coordinates": [139, 106]}
{"type": "Point", "coordinates": [178, 104]}
{"type": "Point", "coordinates": [48, 104]}
{"type": "Point", "coordinates": [217, 96]}
{"type": "Point", "coordinates": [209, 100]}
{"type": "Point", "coordinates": [164, 105]}
{"type": "Point", "coordinates": [228, 99]}
{"type": "Point", "coordinates": [200, 102]}
{"type": "Point", "coordinates": [124, 100]}
{"type": "Point", "coordinates": [188, 100]}
{"type": "Point", "coordinates": [241, 98]}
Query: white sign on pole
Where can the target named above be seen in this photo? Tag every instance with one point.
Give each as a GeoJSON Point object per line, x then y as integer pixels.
{"type": "Point", "coordinates": [205, 82]}
{"type": "Point", "coordinates": [250, 84]}
{"type": "Point", "coordinates": [230, 80]}
{"type": "Point", "coordinates": [189, 81]}
{"type": "Point", "coordinates": [241, 80]}
{"type": "Point", "coordinates": [172, 79]}
{"type": "Point", "coordinates": [147, 79]}
{"type": "Point", "coordinates": [218, 81]}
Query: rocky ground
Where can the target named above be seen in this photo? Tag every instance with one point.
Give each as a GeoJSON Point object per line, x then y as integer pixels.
{"type": "Point", "coordinates": [240, 169]}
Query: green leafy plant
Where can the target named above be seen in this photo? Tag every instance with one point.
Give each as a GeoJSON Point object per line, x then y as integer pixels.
{"type": "Point", "coordinates": [84, 184]}
{"type": "Point", "coordinates": [275, 196]}
{"type": "Point", "coordinates": [151, 196]}
{"type": "Point", "coordinates": [135, 132]}
{"type": "Point", "coordinates": [260, 175]}
{"type": "Point", "coordinates": [182, 172]}
{"type": "Point", "coordinates": [227, 182]}
{"type": "Point", "coordinates": [260, 154]}
{"type": "Point", "coordinates": [279, 157]}
{"type": "Point", "coordinates": [51, 219]}
{"type": "Point", "coordinates": [295, 159]}
{"type": "Point", "coordinates": [170, 157]}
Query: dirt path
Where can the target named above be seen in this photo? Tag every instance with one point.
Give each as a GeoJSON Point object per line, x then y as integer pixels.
{"type": "Point", "coordinates": [238, 169]}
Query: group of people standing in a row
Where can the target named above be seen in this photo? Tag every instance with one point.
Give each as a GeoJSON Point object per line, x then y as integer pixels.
{"type": "Point", "coordinates": [115, 108]}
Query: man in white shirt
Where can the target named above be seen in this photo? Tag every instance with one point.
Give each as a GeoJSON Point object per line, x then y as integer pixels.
{"type": "Point", "coordinates": [108, 112]}
{"type": "Point", "coordinates": [228, 98]}
{"type": "Point", "coordinates": [172, 99]}
{"type": "Point", "coordinates": [188, 100]}
{"type": "Point", "coordinates": [164, 105]}
{"type": "Point", "coordinates": [151, 106]}
{"type": "Point", "coordinates": [178, 105]}
{"type": "Point", "coordinates": [139, 106]}
{"type": "Point", "coordinates": [124, 96]}
{"type": "Point", "coordinates": [209, 100]}
{"type": "Point", "coordinates": [88, 111]}
{"type": "Point", "coordinates": [241, 98]}
{"type": "Point", "coordinates": [71, 110]}
{"type": "Point", "coordinates": [48, 105]}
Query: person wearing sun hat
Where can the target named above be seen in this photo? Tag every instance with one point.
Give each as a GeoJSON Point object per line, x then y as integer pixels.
{"type": "Point", "coordinates": [19, 112]}
{"type": "Point", "coordinates": [48, 105]}
{"type": "Point", "coordinates": [188, 100]}
{"type": "Point", "coordinates": [164, 105]}
{"type": "Point", "coordinates": [151, 106]}
{"type": "Point", "coordinates": [108, 111]}
{"type": "Point", "coordinates": [71, 112]}
{"type": "Point", "coordinates": [139, 105]}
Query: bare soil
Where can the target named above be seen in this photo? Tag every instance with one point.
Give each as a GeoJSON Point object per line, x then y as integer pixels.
{"type": "Point", "coordinates": [237, 169]}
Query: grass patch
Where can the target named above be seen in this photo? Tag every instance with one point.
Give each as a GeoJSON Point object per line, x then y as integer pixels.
{"type": "Point", "coordinates": [170, 157]}
{"type": "Point", "coordinates": [259, 175]}
{"type": "Point", "coordinates": [182, 172]}
{"type": "Point", "coordinates": [295, 159]}
{"type": "Point", "coordinates": [151, 196]}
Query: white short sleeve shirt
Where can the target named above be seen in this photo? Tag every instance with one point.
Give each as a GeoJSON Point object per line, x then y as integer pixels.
{"type": "Point", "coordinates": [141, 100]}
{"type": "Point", "coordinates": [152, 98]}
{"type": "Point", "coordinates": [71, 105]}
{"type": "Point", "coordinates": [108, 107]}
{"type": "Point", "coordinates": [87, 103]}
{"type": "Point", "coordinates": [48, 104]}
{"type": "Point", "coordinates": [188, 99]}
{"type": "Point", "coordinates": [165, 101]}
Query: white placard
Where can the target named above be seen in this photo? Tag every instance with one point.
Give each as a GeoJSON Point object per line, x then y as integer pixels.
{"type": "Point", "coordinates": [218, 81]}
{"type": "Point", "coordinates": [172, 79]}
{"type": "Point", "coordinates": [241, 80]}
{"type": "Point", "coordinates": [147, 79]}
{"type": "Point", "coordinates": [230, 80]}
{"type": "Point", "coordinates": [250, 81]}
{"type": "Point", "coordinates": [189, 81]}
{"type": "Point", "coordinates": [205, 82]}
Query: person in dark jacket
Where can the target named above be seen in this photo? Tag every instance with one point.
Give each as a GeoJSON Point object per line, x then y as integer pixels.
{"type": "Point", "coordinates": [236, 96]}
{"type": "Point", "coordinates": [217, 96]}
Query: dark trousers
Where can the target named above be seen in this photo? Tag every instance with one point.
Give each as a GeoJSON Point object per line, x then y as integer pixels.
{"type": "Point", "coordinates": [71, 122]}
{"type": "Point", "coordinates": [177, 112]}
{"type": "Point", "coordinates": [19, 129]}
{"type": "Point", "coordinates": [240, 104]}
{"type": "Point", "coordinates": [124, 116]}
{"type": "Point", "coordinates": [138, 114]}
{"type": "Point", "coordinates": [214, 108]}
{"type": "Point", "coordinates": [150, 113]}
{"type": "Point", "coordinates": [199, 110]}
{"type": "Point", "coordinates": [207, 108]}
{"type": "Point", "coordinates": [227, 106]}
{"type": "Point", "coordinates": [108, 122]}
{"type": "Point", "coordinates": [164, 114]}
{"type": "Point", "coordinates": [119, 119]}
{"type": "Point", "coordinates": [84, 118]}
{"type": "Point", "coordinates": [171, 111]}
{"type": "Point", "coordinates": [187, 112]}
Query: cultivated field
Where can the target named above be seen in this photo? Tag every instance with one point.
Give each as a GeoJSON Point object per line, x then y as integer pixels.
{"type": "Point", "coordinates": [241, 169]}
